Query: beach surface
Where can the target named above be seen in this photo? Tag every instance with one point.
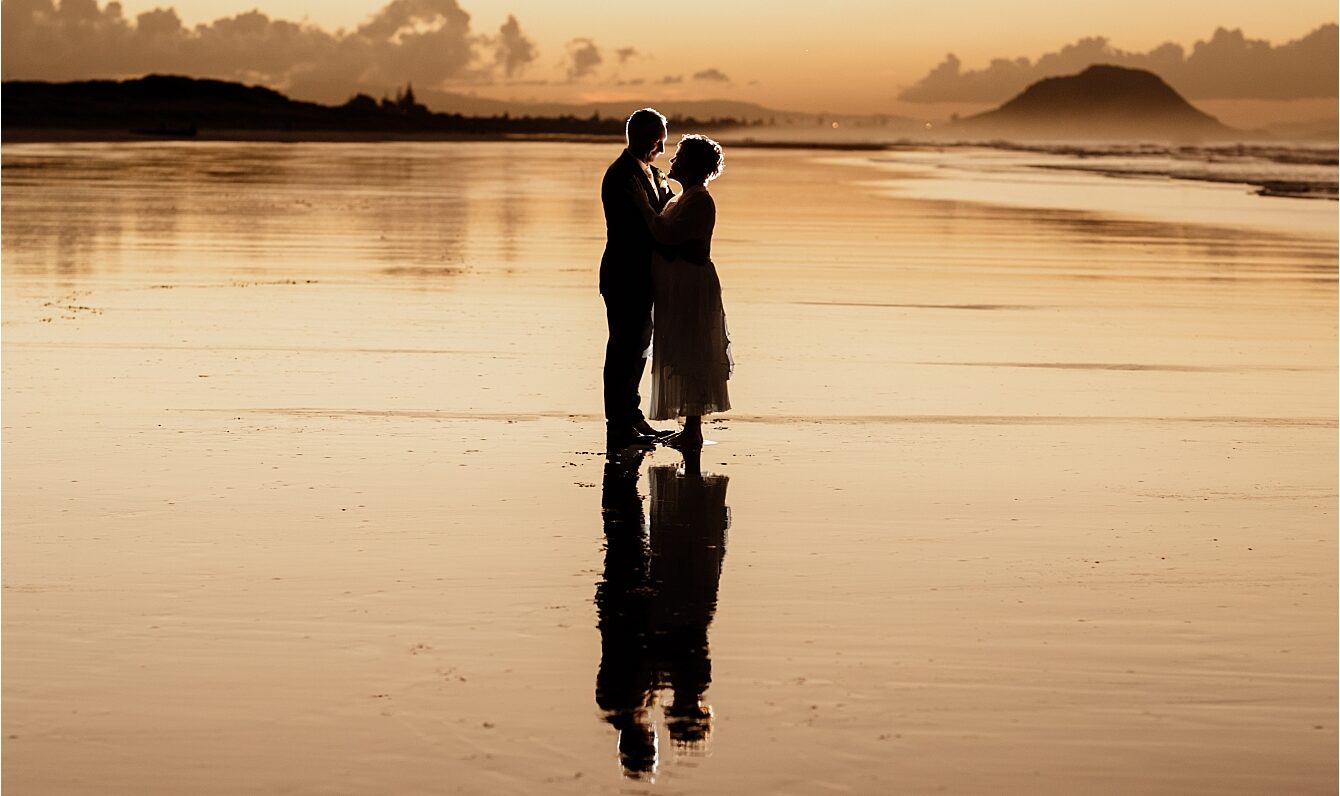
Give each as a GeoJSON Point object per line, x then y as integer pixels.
{"type": "Point", "coordinates": [1030, 482]}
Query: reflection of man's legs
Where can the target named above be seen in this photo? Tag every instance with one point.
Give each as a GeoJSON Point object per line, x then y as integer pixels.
{"type": "Point", "coordinates": [621, 595]}
{"type": "Point", "coordinates": [629, 324]}
{"type": "Point", "coordinates": [624, 679]}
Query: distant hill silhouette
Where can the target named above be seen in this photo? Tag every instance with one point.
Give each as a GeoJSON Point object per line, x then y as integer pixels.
{"type": "Point", "coordinates": [1107, 102]}
{"type": "Point", "coordinates": [169, 105]}
{"type": "Point", "coordinates": [471, 105]}
{"type": "Point", "coordinates": [701, 109]}
{"type": "Point", "coordinates": [184, 106]}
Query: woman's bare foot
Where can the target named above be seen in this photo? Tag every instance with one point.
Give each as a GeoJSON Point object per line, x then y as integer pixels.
{"type": "Point", "coordinates": [690, 437]}
{"type": "Point", "coordinates": [686, 441]}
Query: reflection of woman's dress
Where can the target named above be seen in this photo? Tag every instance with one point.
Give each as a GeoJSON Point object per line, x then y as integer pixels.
{"type": "Point", "coordinates": [691, 358]}
{"type": "Point", "coordinates": [689, 519]}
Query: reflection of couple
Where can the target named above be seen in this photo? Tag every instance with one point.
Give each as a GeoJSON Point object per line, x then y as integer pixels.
{"type": "Point", "coordinates": [656, 601]}
{"type": "Point", "coordinates": [658, 253]}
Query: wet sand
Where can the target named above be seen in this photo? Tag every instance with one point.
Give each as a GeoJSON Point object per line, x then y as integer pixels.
{"type": "Point", "coordinates": [303, 478]}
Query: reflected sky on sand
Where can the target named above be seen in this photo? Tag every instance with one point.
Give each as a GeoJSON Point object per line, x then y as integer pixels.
{"type": "Point", "coordinates": [418, 211]}
{"type": "Point", "coordinates": [305, 490]}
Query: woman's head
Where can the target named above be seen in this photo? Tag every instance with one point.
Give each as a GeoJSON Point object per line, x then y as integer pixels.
{"type": "Point", "coordinates": [698, 160]}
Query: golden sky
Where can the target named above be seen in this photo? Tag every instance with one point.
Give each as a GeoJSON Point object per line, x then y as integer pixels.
{"type": "Point", "coordinates": [842, 56]}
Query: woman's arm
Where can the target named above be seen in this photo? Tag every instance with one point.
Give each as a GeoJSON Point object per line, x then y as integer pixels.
{"type": "Point", "coordinates": [637, 198]}
{"type": "Point", "coordinates": [684, 234]}
{"type": "Point", "coordinates": [692, 220]}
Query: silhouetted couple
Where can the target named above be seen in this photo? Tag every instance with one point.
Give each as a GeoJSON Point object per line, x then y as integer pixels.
{"type": "Point", "coordinates": [658, 257]}
{"type": "Point", "coordinates": [656, 601]}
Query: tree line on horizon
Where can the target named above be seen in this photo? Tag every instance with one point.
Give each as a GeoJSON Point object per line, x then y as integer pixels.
{"type": "Point", "coordinates": [160, 104]}
{"type": "Point", "coordinates": [168, 104]}
{"type": "Point", "coordinates": [405, 103]}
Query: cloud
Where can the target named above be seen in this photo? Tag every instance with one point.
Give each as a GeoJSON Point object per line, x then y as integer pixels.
{"type": "Point", "coordinates": [428, 42]}
{"type": "Point", "coordinates": [670, 80]}
{"type": "Point", "coordinates": [513, 51]}
{"type": "Point", "coordinates": [583, 58]}
{"type": "Point", "coordinates": [1228, 66]}
{"type": "Point", "coordinates": [715, 75]}
{"type": "Point", "coordinates": [159, 22]}
{"type": "Point", "coordinates": [624, 54]}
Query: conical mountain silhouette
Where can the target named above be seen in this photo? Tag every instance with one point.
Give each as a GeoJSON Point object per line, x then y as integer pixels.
{"type": "Point", "coordinates": [1103, 101]}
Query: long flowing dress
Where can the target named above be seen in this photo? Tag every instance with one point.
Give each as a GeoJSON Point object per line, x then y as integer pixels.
{"type": "Point", "coordinates": [690, 348]}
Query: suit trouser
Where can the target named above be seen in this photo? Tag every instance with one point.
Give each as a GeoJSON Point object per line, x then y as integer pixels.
{"type": "Point", "coordinates": [629, 323]}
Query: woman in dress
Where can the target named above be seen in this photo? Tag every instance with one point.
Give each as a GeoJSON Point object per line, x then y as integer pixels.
{"type": "Point", "coordinates": [690, 347]}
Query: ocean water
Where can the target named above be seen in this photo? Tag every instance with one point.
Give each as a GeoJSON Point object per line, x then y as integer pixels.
{"type": "Point", "coordinates": [1305, 172]}
{"type": "Point", "coordinates": [1207, 186]}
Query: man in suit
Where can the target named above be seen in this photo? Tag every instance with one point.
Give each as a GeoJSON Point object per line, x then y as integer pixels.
{"type": "Point", "coordinates": [630, 183]}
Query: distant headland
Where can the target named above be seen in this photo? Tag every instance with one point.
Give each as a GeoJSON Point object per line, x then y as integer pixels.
{"type": "Point", "coordinates": [1102, 102]}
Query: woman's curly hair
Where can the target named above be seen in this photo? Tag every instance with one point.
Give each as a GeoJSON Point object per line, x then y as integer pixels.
{"type": "Point", "coordinates": [704, 156]}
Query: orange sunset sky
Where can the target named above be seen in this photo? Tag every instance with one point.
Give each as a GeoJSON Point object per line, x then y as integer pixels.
{"type": "Point", "coordinates": [841, 56]}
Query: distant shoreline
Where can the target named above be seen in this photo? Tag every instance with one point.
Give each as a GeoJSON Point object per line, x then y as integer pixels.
{"type": "Point", "coordinates": [1085, 154]}
{"type": "Point", "coordinates": [56, 135]}
{"type": "Point", "coordinates": [1079, 147]}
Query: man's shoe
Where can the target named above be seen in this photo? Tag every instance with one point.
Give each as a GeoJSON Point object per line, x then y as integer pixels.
{"type": "Point", "coordinates": [645, 429]}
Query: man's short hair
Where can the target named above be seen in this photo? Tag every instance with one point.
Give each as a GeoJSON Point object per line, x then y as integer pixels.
{"type": "Point", "coordinates": [644, 127]}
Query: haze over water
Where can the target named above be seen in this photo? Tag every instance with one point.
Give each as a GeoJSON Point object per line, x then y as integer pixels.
{"type": "Point", "coordinates": [1031, 480]}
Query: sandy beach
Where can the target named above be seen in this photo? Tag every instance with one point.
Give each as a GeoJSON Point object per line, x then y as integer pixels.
{"type": "Point", "coordinates": [1031, 476]}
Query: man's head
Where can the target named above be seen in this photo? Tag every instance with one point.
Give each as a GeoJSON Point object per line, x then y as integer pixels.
{"type": "Point", "coordinates": [646, 133]}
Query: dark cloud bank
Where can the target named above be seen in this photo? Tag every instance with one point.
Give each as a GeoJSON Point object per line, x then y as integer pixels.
{"type": "Point", "coordinates": [1228, 66]}
{"type": "Point", "coordinates": [713, 75]}
{"type": "Point", "coordinates": [428, 42]}
{"type": "Point", "coordinates": [431, 43]}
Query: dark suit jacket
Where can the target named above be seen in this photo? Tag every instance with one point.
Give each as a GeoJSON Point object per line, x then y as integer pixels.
{"type": "Point", "coordinates": [625, 268]}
